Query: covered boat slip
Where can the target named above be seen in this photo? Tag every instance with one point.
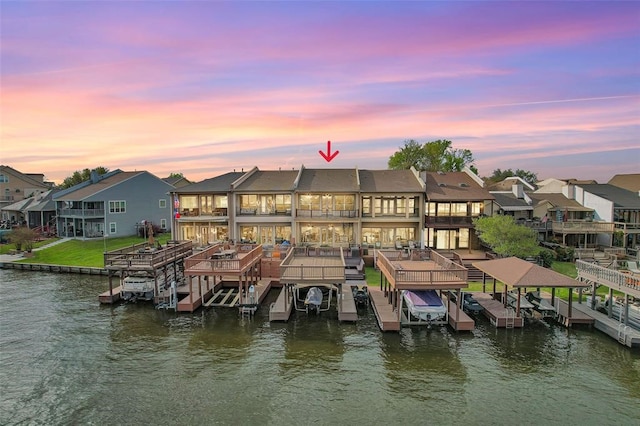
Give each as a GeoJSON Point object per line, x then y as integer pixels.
{"type": "Point", "coordinates": [142, 257]}
{"type": "Point", "coordinates": [519, 275]}
{"type": "Point", "coordinates": [206, 269]}
{"type": "Point", "coordinates": [417, 270]}
{"type": "Point", "coordinates": [313, 267]}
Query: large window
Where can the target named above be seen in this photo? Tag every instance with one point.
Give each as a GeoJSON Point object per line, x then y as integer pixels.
{"type": "Point", "coordinates": [4, 178]}
{"type": "Point", "coordinates": [117, 206]}
{"type": "Point", "coordinates": [458, 209]}
{"type": "Point", "coordinates": [388, 235]}
{"type": "Point", "coordinates": [265, 234]}
{"type": "Point", "coordinates": [206, 204]}
{"type": "Point", "coordinates": [327, 235]}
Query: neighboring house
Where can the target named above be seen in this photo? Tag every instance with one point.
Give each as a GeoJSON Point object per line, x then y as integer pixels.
{"type": "Point", "coordinates": [202, 211]}
{"type": "Point", "coordinates": [555, 186]}
{"type": "Point", "coordinates": [511, 198]}
{"type": "Point", "coordinates": [16, 186]}
{"type": "Point", "coordinates": [177, 181]}
{"type": "Point", "coordinates": [392, 205]}
{"type": "Point", "coordinates": [264, 208]}
{"type": "Point", "coordinates": [630, 181]}
{"type": "Point", "coordinates": [454, 200]}
{"type": "Point", "coordinates": [616, 206]}
{"type": "Point", "coordinates": [37, 212]}
{"type": "Point", "coordinates": [115, 204]}
{"type": "Point", "coordinates": [569, 221]}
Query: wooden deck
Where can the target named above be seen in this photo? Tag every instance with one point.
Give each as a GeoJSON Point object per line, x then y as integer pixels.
{"type": "Point", "coordinates": [578, 316]}
{"type": "Point", "coordinates": [107, 297]}
{"type": "Point", "coordinates": [463, 322]}
{"type": "Point", "coordinates": [499, 316]}
{"type": "Point", "coordinates": [421, 270]}
{"type": "Point", "coordinates": [281, 309]}
{"type": "Point", "coordinates": [312, 270]}
{"type": "Point", "coordinates": [386, 316]}
{"type": "Point", "coordinates": [346, 305]}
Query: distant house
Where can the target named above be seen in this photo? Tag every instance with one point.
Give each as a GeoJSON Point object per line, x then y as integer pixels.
{"type": "Point", "coordinates": [15, 186]}
{"type": "Point", "coordinates": [177, 181]}
{"type": "Point", "coordinates": [511, 198]}
{"type": "Point", "coordinates": [37, 212]}
{"type": "Point", "coordinates": [629, 181]}
{"type": "Point", "coordinates": [454, 199]}
{"type": "Point", "coordinates": [117, 203]}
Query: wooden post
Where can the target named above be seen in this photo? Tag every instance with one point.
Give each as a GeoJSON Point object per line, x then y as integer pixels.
{"type": "Point", "coordinates": [553, 296]}
{"type": "Point", "coordinates": [518, 303]}
{"type": "Point", "coordinates": [570, 309]}
{"type": "Point", "coordinates": [610, 307]}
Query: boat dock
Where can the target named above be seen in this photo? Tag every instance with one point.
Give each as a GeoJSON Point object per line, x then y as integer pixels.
{"type": "Point", "coordinates": [458, 319]}
{"type": "Point", "coordinates": [495, 311]}
{"type": "Point", "coordinates": [385, 315]}
{"type": "Point", "coordinates": [624, 334]}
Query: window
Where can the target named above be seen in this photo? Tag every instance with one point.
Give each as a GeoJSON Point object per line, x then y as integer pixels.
{"type": "Point", "coordinates": [221, 201]}
{"type": "Point", "coordinates": [117, 207]}
{"type": "Point", "coordinates": [112, 228]}
{"type": "Point", "coordinates": [162, 204]}
{"type": "Point", "coordinates": [4, 178]}
{"type": "Point", "coordinates": [206, 203]}
{"type": "Point", "coordinates": [476, 209]}
{"type": "Point", "coordinates": [163, 224]}
{"type": "Point", "coordinates": [366, 206]}
{"type": "Point", "coordinates": [458, 209]}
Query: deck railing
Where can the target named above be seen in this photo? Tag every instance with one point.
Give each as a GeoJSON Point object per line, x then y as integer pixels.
{"type": "Point", "coordinates": [625, 282]}
{"type": "Point", "coordinates": [326, 213]}
{"type": "Point", "coordinates": [447, 271]}
{"type": "Point", "coordinates": [143, 256]}
{"type": "Point", "coordinates": [582, 227]}
{"type": "Point", "coordinates": [300, 273]}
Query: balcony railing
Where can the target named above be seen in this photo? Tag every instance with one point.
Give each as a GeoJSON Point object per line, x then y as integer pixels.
{"type": "Point", "coordinates": [82, 212]}
{"type": "Point", "coordinates": [319, 214]}
{"type": "Point", "coordinates": [414, 213]}
{"type": "Point", "coordinates": [258, 212]}
{"type": "Point", "coordinates": [582, 227]}
{"type": "Point", "coordinates": [627, 228]}
{"type": "Point", "coordinates": [449, 220]}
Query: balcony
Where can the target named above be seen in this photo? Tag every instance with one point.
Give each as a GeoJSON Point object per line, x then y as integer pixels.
{"type": "Point", "coordinates": [582, 227]}
{"type": "Point", "coordinates": [412, 214]}
{"type": "Point", "coordinates": [82, 212]}
{"type": "Point", "coordinates": [449, 221]}
{"type": "Point", "coordinates": [324, 214]}
{"type": "Point", "coordinates": [258, 212]}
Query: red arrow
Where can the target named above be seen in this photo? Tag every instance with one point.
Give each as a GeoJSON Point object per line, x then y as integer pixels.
{"type": "Point", "coordinates": [329, 156]}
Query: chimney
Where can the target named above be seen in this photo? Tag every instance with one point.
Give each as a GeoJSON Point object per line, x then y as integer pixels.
{"type": "Point", "coordinates": [518, 190]}
{"type": "Point", "coordinates": [94, 176]}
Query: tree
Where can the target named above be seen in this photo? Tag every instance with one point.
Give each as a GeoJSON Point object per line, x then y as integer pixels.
{"type": "Point", "coordinates": [176, 175]}
{"type": "Point", "coordinates": [506, 237]}
{"type": "Point", "coordinates": [500, 175]}
{"type": "Point", "coordinates": [431, 156]}
{"type": "Point", "coordinates": [81, 176]}
{"type": "Point", "coordinates": [23, 236]}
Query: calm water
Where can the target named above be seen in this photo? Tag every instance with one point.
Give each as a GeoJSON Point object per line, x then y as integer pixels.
{"type": "Point", "coordinates": [67, 360]}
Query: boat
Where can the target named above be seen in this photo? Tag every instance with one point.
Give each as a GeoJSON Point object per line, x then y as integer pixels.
{"type": "Point", "coordinates": [313, 299]}
{"type": "Point", "coordinates": [618, 311]}
{"type": "Point", "coordinates": [425, 305]}
{"type": "Point", "coordinates": [541, 304]}
{"type": "Point", "coordinates": [469, 304]}
{"type": "Point", "coordinates": [138, 286]}
{"type": "Point", "coordinates": [512, 300]}
{"type": "Point", "coordinates": [360, 295]}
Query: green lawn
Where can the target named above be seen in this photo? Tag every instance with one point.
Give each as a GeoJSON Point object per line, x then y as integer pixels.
{"type": "Point", "coordinates": [85, 253]}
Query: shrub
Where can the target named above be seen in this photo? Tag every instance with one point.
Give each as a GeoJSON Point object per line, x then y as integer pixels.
{"type": "Point", "coordinates": [547, 257]}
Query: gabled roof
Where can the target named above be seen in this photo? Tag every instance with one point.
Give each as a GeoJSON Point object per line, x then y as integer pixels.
{"type": "Point", "coordinates": [177, 181]}
{"type": "Point", "coordinates": [328, 180]}
{"type": "Point", "coordinates": [509, 202]}
{"type": "Point", "coordinates": [630, 181]}
{"type": "Point", "coordinates": [269, 181]}
{"type": "Point", "coordinates": [507, 184]}
{"type": "Point", "coordinates": [27, 177]}
{"type": "Point", "coordinates": [90, 188]}
{"type": "Point", "coordinates": [219, 184]}
{"type": "Point", "coordinates": [454, 186]}
{"type": "Point", "coordinates": [621, 198]}
{"type": "Point", "coordinates": [390, 181]}
{"type": "Point", "coordinates": [558, 201]}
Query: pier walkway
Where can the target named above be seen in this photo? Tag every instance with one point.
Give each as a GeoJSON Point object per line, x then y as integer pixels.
{"type": "Point", "coordinates": [495, 311]}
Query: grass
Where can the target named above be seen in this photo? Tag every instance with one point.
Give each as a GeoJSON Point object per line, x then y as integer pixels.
{"type": "Point", "coordinates": [87, 253]}
{"type": "Point", "coordinates": [6, 248]}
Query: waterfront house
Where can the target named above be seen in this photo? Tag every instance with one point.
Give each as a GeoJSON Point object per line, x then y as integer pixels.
{"type": "Point", "coordinates": [512, 198]}
{"type": "Point", "coordinates": [37, 212]}
{"type": "Point", "coordinates": [454, 200]}
{"type": "Point", "coordinates": [203, 210]}
{"type": "Point", "coordinates": [16, 186]}
{"type": "Point", "coordinates": [392, 206]}
{"type": "Point", "coordinates": [117, 203]}
{"type": "Point", "coordinates": [264, 207]}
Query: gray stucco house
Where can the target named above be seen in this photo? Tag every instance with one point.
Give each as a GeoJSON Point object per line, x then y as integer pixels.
{"type": "Point", "coordinates": [116, 204]}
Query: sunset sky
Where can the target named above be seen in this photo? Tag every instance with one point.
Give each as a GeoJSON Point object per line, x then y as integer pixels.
{"type": "Point", "coordinates": [202, 88]}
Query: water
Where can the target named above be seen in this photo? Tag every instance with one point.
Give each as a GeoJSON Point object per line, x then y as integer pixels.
{"type": "Point", "coordinates": [67, 360]}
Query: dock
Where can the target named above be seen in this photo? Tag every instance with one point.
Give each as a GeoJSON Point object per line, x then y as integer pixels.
{"type": "Point", "coordinates": [459, 320]}
{"type": "Point", "coordinates": [346, 305]}
{"type": "Point", "coordinates": [578, 316]}
{"type": "Point", "coordinates": [498, 315]}
{"type": "Point", "coordinates": [385, 315]}
{"type": "Point", "coordinates": [112, 296]}
{"type": "Point", "coordinates": [624, 334]}
{"type": "Point", "coordinates": [281, 309]}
